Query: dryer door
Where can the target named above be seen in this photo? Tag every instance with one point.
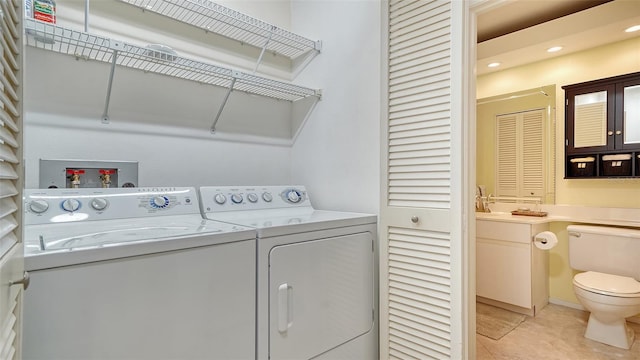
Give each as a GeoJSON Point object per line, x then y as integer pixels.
{"type": "Point", "coordinates": [321, 295]}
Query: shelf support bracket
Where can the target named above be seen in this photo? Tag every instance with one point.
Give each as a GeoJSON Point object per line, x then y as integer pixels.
{"type": "Point", "coordinates": [115, 45]}
{"type": "Point", "coordinates": [86, 16]}
{"type": "Point", "coordinates": [224, 102]}
{"type": "Point", "coordinates": [264, 48]}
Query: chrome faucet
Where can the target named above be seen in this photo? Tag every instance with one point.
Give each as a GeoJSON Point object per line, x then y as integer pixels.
{"type": "Point", "coordinates": [485, 203]}
{"type": "Point", "coordinates": [482, 204]}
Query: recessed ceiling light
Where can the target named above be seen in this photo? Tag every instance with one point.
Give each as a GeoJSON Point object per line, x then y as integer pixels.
{"type": "Point", "coordinates": [633, 28]}
{"type": "Point", "coordinates": [554, 49]}
{"type": "Point", "coordinates": [494, 64]}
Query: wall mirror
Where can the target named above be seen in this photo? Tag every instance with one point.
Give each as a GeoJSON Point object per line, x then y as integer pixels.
{"type": "Point", "coordinates": [515, 144]}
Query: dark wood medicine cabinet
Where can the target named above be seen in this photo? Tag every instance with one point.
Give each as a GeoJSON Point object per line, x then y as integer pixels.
{"type": "Point", "coordinates": [602, 128]}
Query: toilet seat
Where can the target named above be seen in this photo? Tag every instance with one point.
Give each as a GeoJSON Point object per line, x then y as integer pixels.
{"type": "Point", "coordinates": [608, 284]}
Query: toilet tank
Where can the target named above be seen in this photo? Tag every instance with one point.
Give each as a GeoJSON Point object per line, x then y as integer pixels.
{"type": "Point", "coordinates": [605, 249]}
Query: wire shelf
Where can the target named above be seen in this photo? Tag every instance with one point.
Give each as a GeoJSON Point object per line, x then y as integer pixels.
{"type": "Point", "coordinates": [93, 47]}
{"type": "Point", "coordinates": [216, 18]}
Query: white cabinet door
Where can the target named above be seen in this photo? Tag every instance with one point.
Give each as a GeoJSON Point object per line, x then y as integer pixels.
{"type": "Point", "coordinates": [321, 295]}
{"type": "Point", "coordinates": [504, 271]}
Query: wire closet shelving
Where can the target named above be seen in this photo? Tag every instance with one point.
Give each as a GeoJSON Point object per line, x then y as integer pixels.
{"type": "Point", "coordinates": [200, 13]}
{"type": "Point", "coordinates": [235, 25]}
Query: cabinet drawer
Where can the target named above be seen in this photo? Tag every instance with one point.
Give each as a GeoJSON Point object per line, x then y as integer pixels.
{"type": "Point", "coordinates": [505, 231]}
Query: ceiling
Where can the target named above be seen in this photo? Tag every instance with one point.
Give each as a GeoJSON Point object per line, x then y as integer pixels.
{"type": "Point", "coordinates": [519, 31]}
{"type": "Point", "coordinates": [521, 14]}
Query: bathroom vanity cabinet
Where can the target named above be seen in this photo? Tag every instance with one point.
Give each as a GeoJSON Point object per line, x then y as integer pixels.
{"type": "Point", "coordinates": [602, 127]}
{"type": "Point", "coordinates": [510, 271]}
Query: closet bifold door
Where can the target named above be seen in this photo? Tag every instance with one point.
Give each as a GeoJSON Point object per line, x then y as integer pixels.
{"type": "Point", "coordinates": [12, 276]}
{"type": "Point", "coordinates": [520, 153]}
{"type": "Point", "coordinates": [420, 222]}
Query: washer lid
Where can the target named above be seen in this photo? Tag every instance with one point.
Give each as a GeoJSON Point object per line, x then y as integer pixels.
{"type": "Point", "coordinates": [607, 283]}
{"type": "Point", "coordinates": [46, 238]}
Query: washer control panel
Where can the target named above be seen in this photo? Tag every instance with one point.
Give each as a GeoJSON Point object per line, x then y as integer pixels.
{"type": "Point", "coordinates": [234, 198]}
{"type": "Point", "coordinates": [43, 206]}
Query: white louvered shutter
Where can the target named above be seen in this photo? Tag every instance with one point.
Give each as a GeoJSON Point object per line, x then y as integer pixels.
{"type": "Point", "coordinates": [506, 155]}
{"type": "Point", "coordinates": [11, 265]}
{"type": "Point", "coordinates": [420, 278]}
{"type": "Point", "coordinates": [590, 125]}
{"type": "Point", "coordinates": [520, 168]}
{"type": "Point", "coordinates": [533, 154]}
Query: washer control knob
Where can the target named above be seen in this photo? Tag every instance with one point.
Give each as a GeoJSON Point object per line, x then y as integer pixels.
{"type": "Point", "coordinates": [236, 198]}
{"type": "Point", "coordinates": [293, 196]}
{"type": "Point", "coordinates": [99, 203]}
{"type": "Point", "coordinates": [220, 199]}
{"type": "Point", "coordinates": [252, 197]}
{"type": "Point", "coordinates": [159, 202]}
{"type": "Point", "coordinates": [70, 205]}
{"type": "Point", "coordinates": [266, 196]}
{"type": "Point", "coordinates": [38, 206]}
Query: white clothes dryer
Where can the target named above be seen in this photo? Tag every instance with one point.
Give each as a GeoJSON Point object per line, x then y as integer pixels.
{"type": "Point", "coordinates": [317, 272]}
{"type": "Point", "coordinates": [135, 273]}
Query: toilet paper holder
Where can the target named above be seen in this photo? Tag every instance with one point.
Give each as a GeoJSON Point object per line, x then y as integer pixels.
{"type": "Point", "coordinates": [541, 239]}
{"type": "Point", "coordinates": [545, 240]}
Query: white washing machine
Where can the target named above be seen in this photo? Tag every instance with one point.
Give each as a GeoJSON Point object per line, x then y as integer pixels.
{"type": "Point", "coordinates": [135, 273]}
{"type": "Point", "coordinates": [317, 272]}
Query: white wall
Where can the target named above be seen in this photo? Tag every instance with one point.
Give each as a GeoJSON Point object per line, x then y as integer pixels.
{"type": "Point", "coordinates": [166, 156]}
{"type": "Point", "coordinates": [160, 122]}
{"type": "Point", "coordinates": [337, 154]}
{"type": "Point", "coordinates": [164, 126]}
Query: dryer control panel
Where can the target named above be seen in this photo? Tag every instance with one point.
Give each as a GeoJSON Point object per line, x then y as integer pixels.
{"type": "Point", "coordinates": [235, 198]}
{"type": "Point", "coordinates": [42, 206]}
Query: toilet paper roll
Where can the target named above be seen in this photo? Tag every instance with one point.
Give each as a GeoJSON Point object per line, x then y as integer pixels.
{"type": "Point", "coordinates": [545, 240]}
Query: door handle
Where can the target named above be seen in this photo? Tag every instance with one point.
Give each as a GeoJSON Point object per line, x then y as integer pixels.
{"type": "Point", "coordinates": [285, 308]}
{"type": "Point", "coordinates": [24, 281]}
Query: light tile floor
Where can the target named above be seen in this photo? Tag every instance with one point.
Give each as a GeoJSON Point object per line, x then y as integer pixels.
{"type": "Point", "coordinates": [557, 332]}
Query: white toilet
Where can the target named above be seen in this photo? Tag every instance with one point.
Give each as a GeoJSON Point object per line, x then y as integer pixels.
{"type": "Point", "coordinates": [609, 287]}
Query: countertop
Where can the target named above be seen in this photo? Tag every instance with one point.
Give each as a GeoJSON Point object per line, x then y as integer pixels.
{"type": "Point", "coordinates": [627, 217]}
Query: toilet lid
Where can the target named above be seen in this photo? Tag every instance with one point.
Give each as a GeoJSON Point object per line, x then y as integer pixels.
{"type": "Point", "coordinates": [607, 283]}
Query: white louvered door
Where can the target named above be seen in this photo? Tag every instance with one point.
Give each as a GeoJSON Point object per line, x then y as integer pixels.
{"type": "Point", "coordinates": [521, 150]}
{"type": "Point", "coordinates": [506, 155]}
{"type": "Point", "coordinates": [11, 250]}
{"type": "Point", "coordinates": [421, 212]}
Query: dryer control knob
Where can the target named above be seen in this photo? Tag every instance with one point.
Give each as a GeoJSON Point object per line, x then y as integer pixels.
{"type": "Point", "coordinates": [70, 205]}
{"type": "Point", "coordinates": [252, 197]}
{"type": "Point", "coordinates": [38, 206]}
{"type": "Point", "coordinates": [293, 196]}
{"type": "Point", "coordinates": [159, 202]}
{"type": "Point", "coordinates": [266, 196]}
{"type": "Point", "coordinates": [99, 204]}
{"type": "Point", "coordinates": [220, 199]}
{"type": "Point", "coordinates": [236, 198]}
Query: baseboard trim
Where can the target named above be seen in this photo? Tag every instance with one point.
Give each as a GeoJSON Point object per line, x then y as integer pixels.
{"type": "Point", "coordinates": [633, 319]}
{"type": "Point", "coordinates": [510, 307]}
{"type": "Point", "coordinates": [566, 304]}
